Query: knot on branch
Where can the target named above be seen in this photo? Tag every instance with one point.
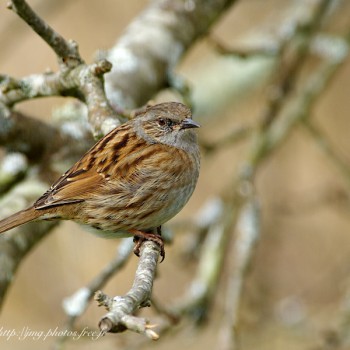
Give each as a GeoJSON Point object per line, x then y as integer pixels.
{"type": "Point", "coordinates": [118, 319]}
{"type": "Point", "coordinates": [101, 67]}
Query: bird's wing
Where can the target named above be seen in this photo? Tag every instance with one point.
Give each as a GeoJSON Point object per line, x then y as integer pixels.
{"type": "Point", "coordinates": [89, 173]}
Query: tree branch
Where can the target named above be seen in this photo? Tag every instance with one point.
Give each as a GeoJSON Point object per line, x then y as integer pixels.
{"type": "Point", "coordinates": [120, 316]}
{"type": "Point", "coordinates": [326, 147]}
{"type": "Point", "coordinates": [67, 51]}
{"type": "Point", "coordinates": [13, 168]}
{"type": "Point", "coordinates": [83, 81]}
{"type": "Point", "coordinates": [247, 235]}
{"type": "Point", "coordinates": [14, 246]}
{"type": "Point", "coordinates": [16, 134]}
{"type": "Point", "coordinates": [153, 44]}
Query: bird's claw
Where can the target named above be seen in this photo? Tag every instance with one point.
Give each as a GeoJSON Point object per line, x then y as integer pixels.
{"type": "Point", "coordinates": [140, 237]}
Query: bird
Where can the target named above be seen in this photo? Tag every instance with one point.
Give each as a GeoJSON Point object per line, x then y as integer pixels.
{"type": "Point", "coordinates": [132, 181]}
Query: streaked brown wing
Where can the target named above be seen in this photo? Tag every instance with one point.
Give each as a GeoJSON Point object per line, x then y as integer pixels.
{"type": "Point", "coordinates": [70, 190]}
{"type": "Point", "coordinates": [89, 173]}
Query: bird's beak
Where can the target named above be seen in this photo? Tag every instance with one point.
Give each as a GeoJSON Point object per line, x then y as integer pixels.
{"type": "Point", "coordinates": [188, 123]}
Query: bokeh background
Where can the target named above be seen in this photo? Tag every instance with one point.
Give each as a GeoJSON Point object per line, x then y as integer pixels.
{"type": "Point", "coordinates": [296, 293]}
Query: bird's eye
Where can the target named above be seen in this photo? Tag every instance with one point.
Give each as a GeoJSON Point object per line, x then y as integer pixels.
{"type": "Point", "coordinates": [162, 122]}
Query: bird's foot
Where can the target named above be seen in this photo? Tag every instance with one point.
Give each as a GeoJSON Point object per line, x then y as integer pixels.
{"type": "Point", "coordinates": [140, 237]}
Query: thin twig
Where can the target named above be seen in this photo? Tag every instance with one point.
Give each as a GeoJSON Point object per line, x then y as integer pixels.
{"type": "Point", "coordinates": [233, 137]}
{"type": "Point", "coordinates": [324, 144]}
{"type": "Point", "coordinates": [290, 67]}
{"type": "Point", "coordinates": [67, 51]}
{"type": "Point", "coordinates": [241, 53]}
{"type": "Point", "coordinates": [76, 304]}
{"type": "Point", "coordinates": [247, 235]}
{"type": "Point", "coordinates": [199, 296]}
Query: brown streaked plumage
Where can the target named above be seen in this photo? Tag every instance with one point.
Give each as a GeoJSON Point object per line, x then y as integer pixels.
{"type": "Point", "coordinates": [133, 180]}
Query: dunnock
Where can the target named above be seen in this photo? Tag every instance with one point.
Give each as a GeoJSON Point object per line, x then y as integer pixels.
{"type": "Point", "coordinates": [130, 182]}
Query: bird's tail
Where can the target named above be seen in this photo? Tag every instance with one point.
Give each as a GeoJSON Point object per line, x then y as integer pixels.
{"type": "Point", "coordinates": [19, 218]}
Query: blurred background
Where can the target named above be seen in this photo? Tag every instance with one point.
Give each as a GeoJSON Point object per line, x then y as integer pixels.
{"type": "Point", "coordinates": [296, 291]}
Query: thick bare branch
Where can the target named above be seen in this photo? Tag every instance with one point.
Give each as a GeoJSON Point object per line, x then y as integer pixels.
{"type": "Point", "coordinates": [13, 168]}
{"type": "Point", "coordinates": [16, 134]}
{"type": "Point", "coordinates": [153, 44]}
